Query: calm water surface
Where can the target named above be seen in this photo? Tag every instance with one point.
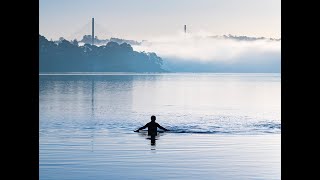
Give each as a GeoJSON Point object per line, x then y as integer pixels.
{"type": "Point", "coordinates": [224, 126]}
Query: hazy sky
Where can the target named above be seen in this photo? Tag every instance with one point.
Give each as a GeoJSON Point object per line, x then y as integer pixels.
{"type": "Point", "coordinates": [144, 19]}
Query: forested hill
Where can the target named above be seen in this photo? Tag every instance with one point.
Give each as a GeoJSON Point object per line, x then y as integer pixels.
{"type": "Point", "coordinates": [68, 56]}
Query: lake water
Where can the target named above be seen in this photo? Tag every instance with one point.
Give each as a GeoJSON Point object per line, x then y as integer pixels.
{"type": "Point", "coordinates": [223, 126]}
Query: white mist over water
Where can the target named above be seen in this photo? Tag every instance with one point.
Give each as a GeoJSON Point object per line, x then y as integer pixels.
{"type": "Point", "coordinates": [200, 48]}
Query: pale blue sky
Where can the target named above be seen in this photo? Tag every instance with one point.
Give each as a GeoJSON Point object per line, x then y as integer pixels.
{"type": "Point", "coordinates": [143, 19]}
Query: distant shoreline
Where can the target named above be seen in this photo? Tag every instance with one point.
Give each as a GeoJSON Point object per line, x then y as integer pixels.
{"type": "Point", "coordinates": [146, 73]}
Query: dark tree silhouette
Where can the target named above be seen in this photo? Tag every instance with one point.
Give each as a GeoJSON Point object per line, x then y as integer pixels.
{"type": "Point", "coordinates": [65, 56]}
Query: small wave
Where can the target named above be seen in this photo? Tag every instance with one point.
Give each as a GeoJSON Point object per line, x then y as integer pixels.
{"type": "Point", "coordinates": [261, 127]}
{"type": "Point", "coordinates": [187, 131]}
{"type": "Point", "coordinates": [196, 132]}
{"type": "Point", "coordinates": [88, 128]}
{"type": "Point", "coordinates": [267, 127]}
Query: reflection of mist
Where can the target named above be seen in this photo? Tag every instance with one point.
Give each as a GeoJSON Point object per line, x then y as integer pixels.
{"type": "Point", "coordinates": [113, 97]}
{"type": "Point", "coordinates": [85, 97]}
{"type": "Point", "coordinates": [92, 99]}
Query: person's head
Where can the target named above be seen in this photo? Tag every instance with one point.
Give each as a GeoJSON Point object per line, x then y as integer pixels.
{"type": "Point", "coordinates": [153, 118]}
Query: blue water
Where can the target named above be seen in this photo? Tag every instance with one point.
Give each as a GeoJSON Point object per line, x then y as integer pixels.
{"type": "Point", "coordinates": [223, 126]}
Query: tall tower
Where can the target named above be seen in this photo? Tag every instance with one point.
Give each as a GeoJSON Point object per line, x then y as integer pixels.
{"type": "Point", "coordinates": [185, 29]}
{"type": "Point", "coordinates": [92, 31]}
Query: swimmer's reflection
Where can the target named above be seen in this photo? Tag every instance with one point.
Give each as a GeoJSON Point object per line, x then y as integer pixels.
{"type": "Point", "coordinates": [151, 138]}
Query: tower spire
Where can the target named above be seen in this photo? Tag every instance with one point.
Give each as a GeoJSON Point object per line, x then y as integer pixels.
{"type": "Point", "coordinates": [92, 31]}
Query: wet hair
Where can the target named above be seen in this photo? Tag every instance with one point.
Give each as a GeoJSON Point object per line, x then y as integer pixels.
{"type": "Point", "coordinates": [153, 118]}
